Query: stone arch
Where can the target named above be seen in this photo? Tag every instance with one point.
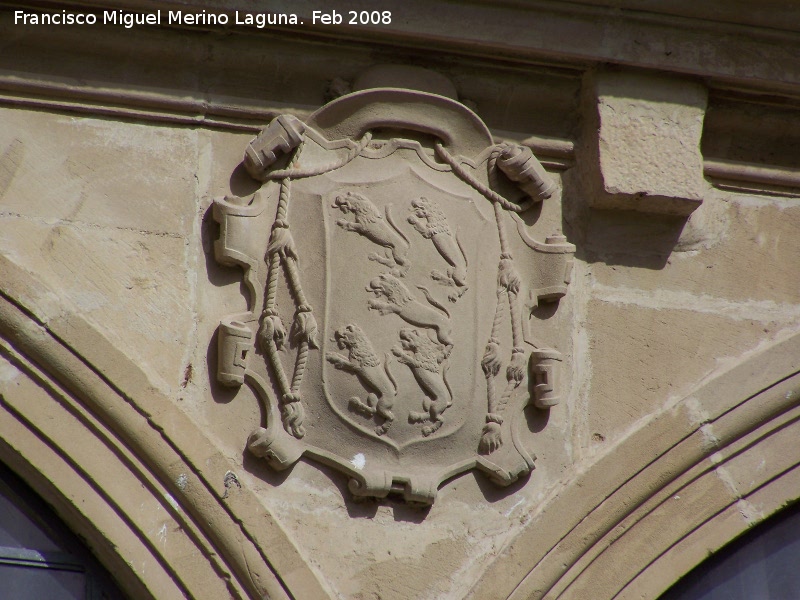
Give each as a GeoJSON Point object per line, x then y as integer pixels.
{"type": "Point", "coordinates": [123, 467]}
{"type": "Point", "coordinates": [682, 484]}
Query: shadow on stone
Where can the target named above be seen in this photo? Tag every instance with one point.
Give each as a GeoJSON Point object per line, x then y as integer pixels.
{"type": "Point", "coordinates": [493, 492]}
{"type": "Point", "coordinates": [630, 239]}
{"type": "Point", "coordinates": [218, 275]}
{"type": "Point", "coordinates": [536, 418]}
{"type": "Point", "coordinates": [544, 310]}
{"type": "Point", "coordinates": [222, 394]}
{"type": "Point", "coordinates": [241, 183]}
{"type": "Point", "coordinates": [259, 467]}
{"type": "Point", "coordinates": [616, 237]}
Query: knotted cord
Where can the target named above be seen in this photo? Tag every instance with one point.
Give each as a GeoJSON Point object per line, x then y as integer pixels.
{"type": "Point", "coordinates": [282, 251]}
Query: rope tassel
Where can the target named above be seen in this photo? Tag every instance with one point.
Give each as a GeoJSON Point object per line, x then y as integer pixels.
{"type": "Point", "coordinates": [492, 438]}
{"type": "Point", "coordinates": [272, 330]}
{"type": "Point", "coordinates": [491, 358]}
{"type": "Point", "coordinates": [294, 415]}
{"type": "Point", "coordinates": [508, 276]}
{"type": "Point", "coordinates": [282, 242]}
{"type": "Point", "coordinates": [305, 327]}
{"type": "Point", "coordinates": [516, 369]}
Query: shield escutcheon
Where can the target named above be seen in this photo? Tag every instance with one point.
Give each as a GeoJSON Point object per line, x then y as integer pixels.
{"type": "Point", "coordinates": [386, 299]}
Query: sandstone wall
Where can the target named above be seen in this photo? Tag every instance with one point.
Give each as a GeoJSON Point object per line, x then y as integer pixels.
{"type": "Point", "coordinates": [680, 328]}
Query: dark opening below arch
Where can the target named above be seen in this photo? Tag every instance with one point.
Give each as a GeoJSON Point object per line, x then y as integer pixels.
{"type": "Point", "coordinates": [39, 557]}
{"type": "Point", "coordinates": [763, 564]}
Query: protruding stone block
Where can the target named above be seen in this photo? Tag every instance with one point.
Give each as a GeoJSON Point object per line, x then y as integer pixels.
{"type": "Point", "coordinates": [643, 142]}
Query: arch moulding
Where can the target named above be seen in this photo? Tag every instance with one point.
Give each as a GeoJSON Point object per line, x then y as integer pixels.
{"type": "Point", "coordinates": [142, 485]}
{"type": "Point", "coordinates": [123, 467]}
{"type": "Point", "coordinates": [681, 485]}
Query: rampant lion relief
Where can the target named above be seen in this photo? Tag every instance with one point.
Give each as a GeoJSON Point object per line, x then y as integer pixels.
{"type": "Point", "coordinates": [369, 223]}
{"type": "Point", "coordinates": [373, 373]}
{"type": "Point", "coordinates": [391, 283]}
{"type": "Point", "coordinates": [429, 220]}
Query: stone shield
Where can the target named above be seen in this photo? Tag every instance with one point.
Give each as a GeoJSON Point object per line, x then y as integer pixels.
{"type": "Point", "coordinates": [388, 274]}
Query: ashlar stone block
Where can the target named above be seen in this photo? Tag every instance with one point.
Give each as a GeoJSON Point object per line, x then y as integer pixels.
{"type": "Point", "coordinates": [642, 142]}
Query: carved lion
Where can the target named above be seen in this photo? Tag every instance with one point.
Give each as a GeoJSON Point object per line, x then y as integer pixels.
{"type": "Point", "coordinates": [429, 220]}
{"type": "Point", "coordinates": [364, 362]}
{"type": "Point", "coordinates": [424, 357]}
{"type": "Point", "coordinates": [400, 301]}
{"type": "Point", "coordinates": [369, 223]}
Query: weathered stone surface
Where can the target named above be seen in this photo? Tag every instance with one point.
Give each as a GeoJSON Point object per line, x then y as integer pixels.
{"type": "Point", "coordinates": [739, 238]}
{"type": "Point", "coordinates": [97, 172]}
{"type": "Point", "coordinates": [104, 214]}
{"type": "Point", "coordinates": [642, 139]}
{"type": "Point", "coordinates": [680, 338]}
{"type": "Point", "coordinates": [665, 350]}
{"type": "Point", "coordinates": [109, 275]}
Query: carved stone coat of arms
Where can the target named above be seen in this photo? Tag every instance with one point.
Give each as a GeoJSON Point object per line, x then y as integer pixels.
{"type": "Point", "coordinates": [388, 269]}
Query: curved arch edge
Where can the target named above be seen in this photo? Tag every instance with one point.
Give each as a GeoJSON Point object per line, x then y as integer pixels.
{"type": "Point", "coordinates": [579, 520]}
{"type": "Point", "coordinates": [260, 559]}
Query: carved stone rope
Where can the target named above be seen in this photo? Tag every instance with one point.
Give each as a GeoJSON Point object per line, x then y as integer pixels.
{"type": "Point", "coordinates": [487, 192]}
{"type": "Point", "coordinates": [508, 284]}
{"type": "Point", "coordinates": [282, 251]}
{"type": "Point", "coordinates": [296, 173]}
{"type": "Point", "coordinates": [491, 363]}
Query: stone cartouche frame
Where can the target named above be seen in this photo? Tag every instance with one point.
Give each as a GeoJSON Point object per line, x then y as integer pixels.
{"type": "Point", "coordinates": [388, 269]}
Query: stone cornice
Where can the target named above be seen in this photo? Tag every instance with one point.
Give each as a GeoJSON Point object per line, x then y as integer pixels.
{"type": "Point", "coordinates": [752, 47]}
{"type": "Point", "coordinates": [123, 73]}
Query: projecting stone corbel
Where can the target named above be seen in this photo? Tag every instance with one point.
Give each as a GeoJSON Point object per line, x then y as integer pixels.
{"type": "Point", "coordinates": [641, 142]}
